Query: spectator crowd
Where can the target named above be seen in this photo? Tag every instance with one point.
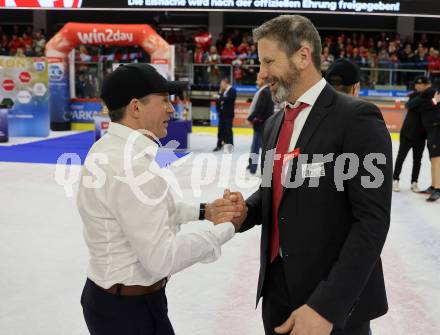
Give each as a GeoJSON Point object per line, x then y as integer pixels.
{"type": "Point", "coordinates": [22, 42]}
{"type": "Point", "coordinates": [384, 58]}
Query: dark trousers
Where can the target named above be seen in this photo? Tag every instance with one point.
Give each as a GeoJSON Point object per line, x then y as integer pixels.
{"type": "Point", "coordinates": [417, 146]}
{"type": "Point", "coordinates": [276, 306]}
{"type": "Point", "coordinates": [108, 314]}
{"type": "Point", "coordinates": [224, 135]}
{"type": "Point", "coordinates": [255, 151]}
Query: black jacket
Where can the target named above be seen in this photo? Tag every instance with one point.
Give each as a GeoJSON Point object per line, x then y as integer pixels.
{"type": "Point", "coordinates": [430, 113]}
{"type": "Point", "coordinates": [331, 240]}
{"type": "Point", "coordinates": [264, 108]}
{"type": "Point", "coordinates": [226, 103]}
{"type": "Point", "coordinates": [412, 127]}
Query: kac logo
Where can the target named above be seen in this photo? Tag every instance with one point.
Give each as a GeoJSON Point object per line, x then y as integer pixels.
{"type": "Point", "coordinates": [39, 66]}
{"type": "Point", "coordinates": [56, 73]}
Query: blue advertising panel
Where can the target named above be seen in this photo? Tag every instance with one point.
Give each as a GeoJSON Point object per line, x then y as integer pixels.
{"type": "Point", "coordinates": [84, 110]}
{"type": "Point", "coordinates": [4, 124]}
{"type": "Point", "coordinates": [59, 100]}
{"type": "Point", "coordinates": [214, 114]}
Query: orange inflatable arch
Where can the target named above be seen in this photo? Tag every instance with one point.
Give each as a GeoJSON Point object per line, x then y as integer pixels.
{"type": "Point", "coordinates": [74, 34]}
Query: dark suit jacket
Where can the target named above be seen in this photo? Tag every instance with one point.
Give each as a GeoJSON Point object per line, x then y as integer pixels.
{"type": "Point", "coordinates": [412, 127]}
{"type": "Point", "coordinates": [430, 114]}
{"type": "Point", "coordinates": [331, 240]}
{"type": "Point", "coordinates": [263, 109]}
{"type": "Point", "coordinates": [226, 104]}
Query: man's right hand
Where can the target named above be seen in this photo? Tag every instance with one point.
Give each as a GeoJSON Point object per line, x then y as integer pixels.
{"type": "Point", "coordinates": [224, 210]}
{"type": "Point", "coordinates": [237, 198]}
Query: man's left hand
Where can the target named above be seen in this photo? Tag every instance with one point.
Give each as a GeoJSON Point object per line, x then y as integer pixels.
{"type": "Point", "coordinates": [305, 321]}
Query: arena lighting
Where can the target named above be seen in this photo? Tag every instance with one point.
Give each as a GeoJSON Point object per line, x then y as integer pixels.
{"type": "Point", "coordinates": [428, 8]}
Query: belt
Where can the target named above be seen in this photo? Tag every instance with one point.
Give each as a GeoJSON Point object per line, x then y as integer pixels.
{"type": "Point", "coordinates": [134, 290]}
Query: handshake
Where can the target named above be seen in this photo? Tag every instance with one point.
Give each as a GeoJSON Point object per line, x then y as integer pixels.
{"type": "Point", "coordinates": [230, 208]}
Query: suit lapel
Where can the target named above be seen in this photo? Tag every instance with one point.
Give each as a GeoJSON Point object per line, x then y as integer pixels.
{"type": "Point", "coordinates": [317, 114]}
{"type": "Point", "coordinates": [319, 111]}
{"type": "Point", "coordinates": [271, 144]}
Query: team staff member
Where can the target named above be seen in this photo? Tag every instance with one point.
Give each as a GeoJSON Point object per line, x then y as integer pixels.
{"type": "Point", "coordinates": [429, 102]}
{"type": "Point", "coordinates": [226, 112]}
{"type": "Point", "coordinates": [262, 107]}
{"type": "Point", "coordinates": [344, 76]}
{"type": "Point", "coordinates": [131, 228]}
{"type": "Point", "coordinates": [320, 265]}
{"type": "Point", "coordinates": [412, 135]}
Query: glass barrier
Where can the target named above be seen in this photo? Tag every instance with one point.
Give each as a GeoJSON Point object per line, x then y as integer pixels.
{"type": "Point", "coordinates": [391, 77]}
{"type": "Point", "coordinates": [88, 79]}
{"type": "Point", "coordinates": [208, 76]}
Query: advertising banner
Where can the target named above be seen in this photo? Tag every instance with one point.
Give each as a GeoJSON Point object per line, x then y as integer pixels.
{"type": "Point", "coordinates": [74, 34]}
{"type": "Point", "coordinates": [4, 124]}
{"type": "Point", "coordinates": [59, 97]}
{"type": "Point", "coordinates": [213, 114]}
{"type": "Point", "coordinates": [83, 112]}
{"type": "Point", "coordinates": [24, 81]}
{"type": "Point", "coordinates": [101, 125]}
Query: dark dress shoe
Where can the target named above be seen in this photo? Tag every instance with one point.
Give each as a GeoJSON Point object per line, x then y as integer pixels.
{"type": "Point", "coordinates": [434, 196]}
{"type": "Point", "coordinates": [217, 149]}
{"type": "Point", "coordinates": [429, 190]}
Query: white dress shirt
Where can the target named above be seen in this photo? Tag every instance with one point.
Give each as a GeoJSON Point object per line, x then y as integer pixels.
{"type": "Point", "coordinates": [309, 97]}
{"type": "Point", "coordinates": [132, 241]}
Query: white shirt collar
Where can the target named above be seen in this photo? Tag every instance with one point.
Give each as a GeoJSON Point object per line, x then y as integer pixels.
{"type": "Point", "coordinates": [141, 142]}
{"type": "Point", "coordinates": [311, 95]}
{"type": "Point", "coordinates": [227, 89]}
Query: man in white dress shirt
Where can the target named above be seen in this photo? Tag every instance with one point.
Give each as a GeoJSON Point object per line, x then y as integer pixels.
{"type": "Point", "coordinates": [131, 220]}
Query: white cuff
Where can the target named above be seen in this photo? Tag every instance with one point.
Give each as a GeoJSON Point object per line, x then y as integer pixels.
{"type": "Point", "coordinates": [224, 232]}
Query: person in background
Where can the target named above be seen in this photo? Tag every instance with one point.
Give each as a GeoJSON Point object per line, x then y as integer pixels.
{"type": "Point", "coordinates": [213, 59]}
{"type": "Point", "coordinates": [226, 111]}
{"type": "Point", "coordinates": [429, 107]}
{"type": "Point", "coordinates": [344, 75]}
{"type": "Point", "coordinates": [262, 107]}
{"type": "Point", "coordinates": [39, 43]}
{"type": "Point", "coordinates": [14, 44]}
{"type": "Point", "coordinates": [29, 52]}
{"type": "Point", "coordinates": [412, 135]}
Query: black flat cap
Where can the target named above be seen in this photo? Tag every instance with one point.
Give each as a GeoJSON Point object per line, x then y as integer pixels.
{"type": "Point", "coordinates": [135, 81]}
{"type": "Point", "coordinates": [348, 71]}
{"type": "Point", "coordinates": [421, 80]}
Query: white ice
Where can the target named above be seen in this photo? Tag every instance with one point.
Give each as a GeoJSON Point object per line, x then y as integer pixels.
{"type": "Point", "coordinates": [44, 259]}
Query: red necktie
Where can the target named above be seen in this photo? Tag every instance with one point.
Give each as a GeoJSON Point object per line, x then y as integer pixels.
{"type": "Point", "coordinates": [282, 148]}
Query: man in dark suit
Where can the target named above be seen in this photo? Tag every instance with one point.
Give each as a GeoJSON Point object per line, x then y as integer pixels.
{"type": "Point", "coordinates": [261, 109]}
{"type": "Point", "coordinates": [412, 135]}
{"type": "Point", "coordinates": [225, 110]}
{"type": "Point", "coordinates": [326, 214]}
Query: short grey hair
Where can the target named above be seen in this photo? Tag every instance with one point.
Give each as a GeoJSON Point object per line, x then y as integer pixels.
{"type": "Point", "coordinates": [291, 31]}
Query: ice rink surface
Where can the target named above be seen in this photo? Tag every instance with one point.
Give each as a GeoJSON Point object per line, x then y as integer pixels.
{"type": "Point", "coordinates": [44, 259]}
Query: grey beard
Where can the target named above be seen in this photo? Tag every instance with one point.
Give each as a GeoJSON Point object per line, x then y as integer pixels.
{"type": "Point", "coordinates": [282, 94]}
